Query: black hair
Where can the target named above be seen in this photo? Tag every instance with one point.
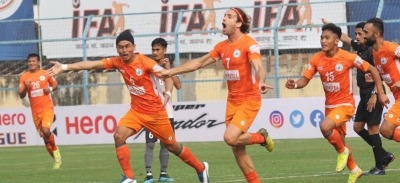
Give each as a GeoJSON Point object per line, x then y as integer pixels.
{"type": "Point", "coordinates": [159, 41]}
{"type": "Point", "coordinates": [360, 25]}
{"type": "Point", "coordinates": [377, 23]}
{"type": "Point", "coordinates": [125, 35]}
{"type": "Point", "coordinates": [33, 55]}
{"type": "Point", "coordinates": [334, 28]}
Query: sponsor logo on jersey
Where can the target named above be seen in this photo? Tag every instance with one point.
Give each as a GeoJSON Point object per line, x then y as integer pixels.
{"type": "Point", "coordinates": [254, 49]}
{"type": "Point", "coordinates": [232, 75]}
{"type": "Point", "coordinates": [331, 86]}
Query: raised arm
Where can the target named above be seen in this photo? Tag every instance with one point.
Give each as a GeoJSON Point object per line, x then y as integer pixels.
{"type": "Point", "coordinates": [344, 37]}
{"type": "Point", "coordinates": [83, 65]}
{"type": "Point", "coordinates": [190, 66]}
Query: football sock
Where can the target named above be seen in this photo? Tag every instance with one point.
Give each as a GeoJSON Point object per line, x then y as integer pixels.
{"type": "Point", "coordinates": [164, 157]}
{"type": "Point", "coordinates": [252, 177]}
{"type": "Point", "coordinates": [50, 144]}
{"type": "Point", "coordinates": [188, 157]}
{"type": "Point", "coordinates": [336, 141]}
{"type": "Point", "coordinates": [365, 135]}
{"type": "Point", "coordinates": [378, 150]}
{"type": "Point", "coordinates": [256, 138]}
{"type": "Point", "coordinates": [351, 163]}
{"type": "Point", "coordinates": [124, 160]}
{"type": "Point", "coordinates": [148, 156]}
{"type": "Point", "coordinates": [396, 135]}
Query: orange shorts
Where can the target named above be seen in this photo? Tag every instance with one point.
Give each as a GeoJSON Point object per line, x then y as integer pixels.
{"type": "Point", "coordinates": [157, 123]}
{"type": "Point", "coordinates": [340, 115]}
{"type": "Point", "coordinates": [43, 119]}
{"type": "Point", "coordinates": [393, 114]}
{"type": "Point", "coordinates": [242, 114]}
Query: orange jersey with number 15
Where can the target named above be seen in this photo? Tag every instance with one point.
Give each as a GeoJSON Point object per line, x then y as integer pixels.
{"type": "Point", "coordinates": [336, 76]}
{"type": "Point", "coordinates": [38, 81]}
{"type": "Point", "coordinates": [239, 72]}
{"type": "Point", "coordinates": [387, 62]}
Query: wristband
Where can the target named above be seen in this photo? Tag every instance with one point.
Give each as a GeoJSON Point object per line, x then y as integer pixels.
{"type": "Point", "coordinates": [295, 85]}
{"type": "Point", "coordinates": [168, 93]}
{"type": "Point", "coordinates": [51, 89]}
{"type": "Point", "coordinates": [64, 67]}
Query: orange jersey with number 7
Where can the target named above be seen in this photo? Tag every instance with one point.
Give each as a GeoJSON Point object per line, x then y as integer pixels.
{"type": "Point", "coordinates": [239, 73]}
{"type": "Point", "coordinates": [39, 101]}
{"type": "Point", "coordinates": [336, 76]}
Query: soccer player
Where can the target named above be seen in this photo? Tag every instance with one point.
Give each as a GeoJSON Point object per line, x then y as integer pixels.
{"type": "Point", "coordinates": [159, 48]}
{"type": "Point", "coordinates": [386, 55]}
{"type": "Point", "coordinates": [38, 86]}
{"type": "Point", "coordinates": [147, 104]}
{"type": "Point", "coordinates": [245, 75]}
{"type": "Point", "coordinates": [368, 110]}
{"type": "Point", "coordinates": [334, 67]}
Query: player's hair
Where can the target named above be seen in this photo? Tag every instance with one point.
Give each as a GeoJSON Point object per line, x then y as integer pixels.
{"type": "Point", "coordinates": [159, 41]}
{"type": "Point", "coordinates": [377, 23]}
{"type": "Point", "coordinates": [334, 28]}
{"type": "Point", "coordinates": [33, 55]}
{"type": "Point", "coordinates": [360, 25]}
{"type": "Point", "coordinates": [125, 35]}
{"type": "Point", "coordinates": [244, 18]}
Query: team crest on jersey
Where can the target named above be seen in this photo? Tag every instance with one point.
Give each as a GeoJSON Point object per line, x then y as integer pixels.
{"type": "Point", "coordinates": [42, 78]}
{"type": "Point", "coordinates": [236, 53]}
{"type": "Point", "coordinates": [139, 72]}
{"type": "Point", "coordinates": [383, 60]}
{"type": "Point", "coordinates": [339, 67]}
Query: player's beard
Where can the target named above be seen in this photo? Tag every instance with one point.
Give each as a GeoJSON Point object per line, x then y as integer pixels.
{"type": "Point", "coordinates": [370, 42]}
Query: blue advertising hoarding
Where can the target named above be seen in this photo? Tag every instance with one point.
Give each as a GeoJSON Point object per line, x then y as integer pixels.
{"type": "Point", "coordinates": [16, 30]}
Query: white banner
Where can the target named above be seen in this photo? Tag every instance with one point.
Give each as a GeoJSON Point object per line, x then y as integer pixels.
{"type": "Point", "coordinates": [136, 17]}
{"type": "Point", "coordinates": [194, 121]}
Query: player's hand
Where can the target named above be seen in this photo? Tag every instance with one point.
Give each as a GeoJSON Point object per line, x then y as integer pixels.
{"type": "Point", "coordinates": [290, 84]}
{"type": "Point", "coordinates": [166, 98]}
{"type": "Point", "coordinates": [383, 99]}
{"type": "Point", "coordinates": [46, 91]}
{"type": "Point", "coordinates": [396, 86]}
{"type": "Point", "coordinates": [325, 21]}
{"type": "Point", "coordinates": [368, 78]}
{"type": "Point", "coordinates": [371, 103]}
{"type": "Point", "coordinates": [166, 63]}
{"type": "Point", "coordinates": [56, 69]}
{"type": "Point", "coordinates": [264, 88]}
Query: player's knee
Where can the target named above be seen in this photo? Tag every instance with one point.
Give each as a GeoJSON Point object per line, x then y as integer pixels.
{"type": "Point", "coordinates": [119, 138]}
{"type": "Point", "coordinates": [230, 141]}
{"type": "Point", "coordinates": [386, 133]}
{"type": "Point", "coordinates": [150, 145]}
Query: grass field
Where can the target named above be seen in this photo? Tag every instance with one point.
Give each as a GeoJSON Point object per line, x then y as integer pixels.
{"type": "Point", "coordinates": [292, 161]}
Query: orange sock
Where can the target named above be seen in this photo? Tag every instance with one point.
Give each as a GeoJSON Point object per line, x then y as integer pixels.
{"type": "Point", "coordinates": [50, 144]}
{"type": "Point", "coordinates": [252, 177]}
{"type": "Point", "coordinates": [336, 141]}
{"type": "Point", "coordinates": [124, 160]}
{"type": "Point", "coordinates": [256, 138]}
{"type": "Point", "coordinates": [188, 157]}
{"type": "Point", "coordinates": [351, 163]}
{"type": "Point", "coordinates": [396, 135]}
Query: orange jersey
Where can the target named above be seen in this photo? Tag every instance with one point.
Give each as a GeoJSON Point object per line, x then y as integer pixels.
{"type": "Point", "coordinates": [239, 73]}
{"type": "Point", "coordinates": [387, 62]}
{"type": "Point", "coordinates": [38, 81]}
{"type": "Point", "coordinates": [336, 76]}
{"type": "Point", "coordinates": [140, 79]}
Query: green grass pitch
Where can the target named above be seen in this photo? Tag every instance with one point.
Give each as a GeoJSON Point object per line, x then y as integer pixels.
{"type": "Point", "coordinates": [292, 161]}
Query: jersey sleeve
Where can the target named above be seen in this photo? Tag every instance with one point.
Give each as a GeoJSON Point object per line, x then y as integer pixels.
{"type": "Point", "coordinates": [254, 51]}
{"type": "Point", "coordinates": [311, 68]}
{"type": "Point", "coordinates": [152, 66]}
{"type": "Point", "coordinates": [215, 53]}
{"type": "Point", "coordinates": [109, 63]}
{"type": "Point", "coordinates": [52, 81]}
{"type": "Point", "coordinates": [396, 50]}
{"type": "Point", "coordinates": [358, 62]}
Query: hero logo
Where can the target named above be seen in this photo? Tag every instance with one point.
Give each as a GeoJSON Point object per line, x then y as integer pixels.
{"type": "Point", "coordinates": [12, 119]}
{"type": "Point", "coordinates": [316, 118]}
{"type": "Point", "coordinates": [88, 125]}
{"type": "Point", "coordinates": [276, 119]}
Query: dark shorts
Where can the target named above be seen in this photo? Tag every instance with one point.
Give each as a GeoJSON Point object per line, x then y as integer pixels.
{"type": "Point", "coordinates": [150, 138]}
{"type": "Point", "coordinates": [363, 115]}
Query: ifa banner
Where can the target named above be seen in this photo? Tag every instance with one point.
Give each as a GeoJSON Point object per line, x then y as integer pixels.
{"type": "Point", "coordinates": [194, 122]}
{"type": "Point", "coordinates": [155, 17]}
{"type": "Point", "coordinates": [14, 29]}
